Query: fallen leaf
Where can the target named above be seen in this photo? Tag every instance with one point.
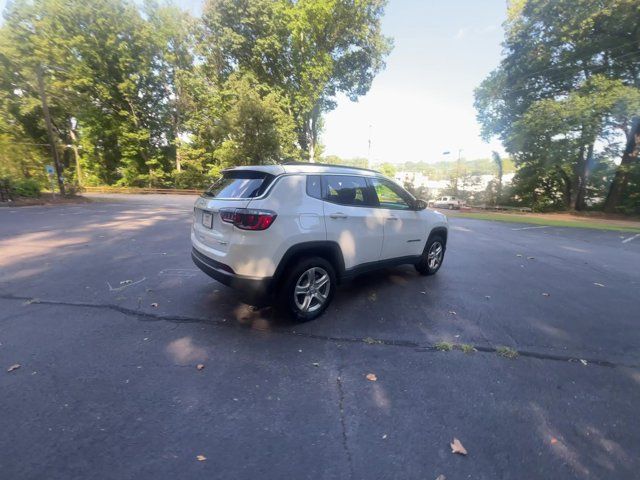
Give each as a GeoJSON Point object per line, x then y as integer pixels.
{"type": "Point", "coordinates": [488, 297]}
{"type": "Point", "coordinates": [154, 305]}
{"type": "Point", "coordinates": [200, 366]}
{"type": "Point", "coordinates": [519, 255]}
{"type": "Point", "coordinates": [584, 362]}
{"type": "Point", "coordinates": [554, 440]}
{"type": "Point", "coordinates": [545, 294]}
{"type": "Point", "coordinates": [441, 477]}
{"type": "Point", "coordinates": [13, 367]}
{"type": "Point", "coordinates": [451, 312]}
{"type": "Point", "coordinates": [315, 364]}
{"type": "Point", "coordinates": [531, 258]}
{"type": "Point", "coordinates": [598, 284]}
{"type": "Point", "coordinates": [423, 293]}
{"type": "Point", "coordinates": [384, 437]}
{"type": "Point", "coordinates": [371, 377]}
{"type": "Point", "coordinates": [201, 458]}
{"type": "Point", "coordinates": [456, 447]}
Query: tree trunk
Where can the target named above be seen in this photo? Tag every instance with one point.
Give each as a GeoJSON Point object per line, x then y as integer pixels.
{"type": "Point", "coordinates": [577, 177]}
{"type": "Point", "coordinates": [622, 173]}
{"type": "Point", "coordinates": [567, 188]}
{"type": "Point", "coordinates": [178, 163]}
{"type": "Point", "coordinates": [50, 133]}
{"type": "Point", "coordinates": [584, 179]}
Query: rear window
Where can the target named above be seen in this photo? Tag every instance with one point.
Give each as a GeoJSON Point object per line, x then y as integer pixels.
{"type": "Point", "coordinates": [240, 184]}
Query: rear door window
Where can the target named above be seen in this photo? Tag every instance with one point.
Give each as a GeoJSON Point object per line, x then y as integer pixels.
{"type": "Point", "coordinates": [348, 190]}
{"type": "Point", "coordinates": [240, 184]}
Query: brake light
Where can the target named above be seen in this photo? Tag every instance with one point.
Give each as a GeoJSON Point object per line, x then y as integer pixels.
{"type": "Point", "coordinates": [248, 219]}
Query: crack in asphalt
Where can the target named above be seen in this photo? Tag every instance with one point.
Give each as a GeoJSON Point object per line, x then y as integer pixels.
{"type": "Point", "coordinates": [343, 423]}
{"type": "Point", "coordinates": [147, 316]}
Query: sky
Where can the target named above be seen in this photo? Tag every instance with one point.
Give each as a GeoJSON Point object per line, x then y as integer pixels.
{"type": "Point", "coordinates": [421, 105]}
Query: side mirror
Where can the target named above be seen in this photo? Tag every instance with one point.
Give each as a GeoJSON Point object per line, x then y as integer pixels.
{"type": "Point", "coordinates": [419, 204]}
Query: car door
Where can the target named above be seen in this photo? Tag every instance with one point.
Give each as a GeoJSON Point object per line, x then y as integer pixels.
{"type": "Point", "coordinates": [404, 228]}
{"type": "Point", "coordinates": [351, 218]}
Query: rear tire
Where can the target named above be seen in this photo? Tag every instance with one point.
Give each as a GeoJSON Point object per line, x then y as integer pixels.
{"type": "Point", "coordinates": [308, 288]}
{"type": "Point", "coordinates": [432, 256]}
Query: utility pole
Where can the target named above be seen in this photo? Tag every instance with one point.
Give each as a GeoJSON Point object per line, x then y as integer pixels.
{"type": "Point", "coordinates": [74, 147]}
{"type": "Point", "coordinates": [49, 124]}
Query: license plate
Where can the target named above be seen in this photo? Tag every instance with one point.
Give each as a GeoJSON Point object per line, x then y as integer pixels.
{"type": "Point", "coordinates": [207, 219]}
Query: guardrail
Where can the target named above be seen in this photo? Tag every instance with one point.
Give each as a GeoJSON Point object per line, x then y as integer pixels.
{"type": "Point", "coordinates": [165, 191]}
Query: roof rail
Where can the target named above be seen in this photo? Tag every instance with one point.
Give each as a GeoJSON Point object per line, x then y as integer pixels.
{"type": "Point", "coordinates": [296, 162]}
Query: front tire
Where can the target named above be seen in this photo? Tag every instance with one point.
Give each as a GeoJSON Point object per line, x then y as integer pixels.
{"type": "Point", "coordinates": [432, 256]}
{"type": "Point", "coordinates": [308, 288]}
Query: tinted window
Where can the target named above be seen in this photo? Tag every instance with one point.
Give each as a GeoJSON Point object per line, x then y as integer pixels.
{"type": "Point", "coordinates": [348, 190]}
{"type": "Point", "coordinates": [314, 187]}
{"type": "Point", "coordinates": [240, 184]}
{"type": "Point", "coordinates": [390, 195]}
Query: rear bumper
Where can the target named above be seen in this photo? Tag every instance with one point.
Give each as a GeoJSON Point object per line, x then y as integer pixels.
{"type": "Point", "coordinates": [254, 288]}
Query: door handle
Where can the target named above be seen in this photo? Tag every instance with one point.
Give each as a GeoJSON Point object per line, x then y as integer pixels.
{"type": "Point", "coordinates": [337, 215]}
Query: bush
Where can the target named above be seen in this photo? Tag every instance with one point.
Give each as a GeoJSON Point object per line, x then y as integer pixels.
{"type": "Point", "coordinates": [27, 187]}
{"type": "Point", "coordinates": [190, 179]}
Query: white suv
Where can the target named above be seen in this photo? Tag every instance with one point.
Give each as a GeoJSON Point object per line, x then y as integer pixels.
{"type": "Point", "coordinates": [293, 232]}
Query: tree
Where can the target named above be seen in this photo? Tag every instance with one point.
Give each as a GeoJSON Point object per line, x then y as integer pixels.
{"type": "Point", "coordinates": [308, 50]}
{"type": "Point", "coordinates": [387, 169]}
{"type": "Point", "coordinates": [495, 156]}
{"type": "Point", "coordinates": [257, 129]}
{"type": "Point", "coordinates": [577, 59]}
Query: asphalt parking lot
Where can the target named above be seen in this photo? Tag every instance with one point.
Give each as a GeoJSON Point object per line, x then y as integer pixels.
{"type": "Point", "coordinates": [106, 315]}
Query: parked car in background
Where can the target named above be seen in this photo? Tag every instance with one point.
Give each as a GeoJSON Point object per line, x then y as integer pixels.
{"type": "Point", "coordinates": [448, 202]}
{"type": "Point", "coordinates": [293, 232]}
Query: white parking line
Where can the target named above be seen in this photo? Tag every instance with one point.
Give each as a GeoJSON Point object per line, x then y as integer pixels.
{"type": "Point", "coordinates": [531, 228]}
{"type": "Point", "coordinates": [627, 240]}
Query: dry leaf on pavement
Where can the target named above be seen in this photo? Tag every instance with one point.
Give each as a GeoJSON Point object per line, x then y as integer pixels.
{"type": "Point", "coordinates": [554, 440]}
{"type": "Point", "coordinates": [13, 367]}
{"type": "Point", "coordinates": [371, 377]}
{"type": "Point", "coordinates": [598, 284]}
{"type": "Point", "coordinates": [201, 458]}
{"type": "Point", "coordinates": [451, 312]}
{"type": "Point", "coordinates": [545, 294]}
{"type": "Point", "coordinates": [200, 366]}
{"type": "Point", "coordinates": [456, 447]}
{"type": "Point", "coordinates": [441, 477]}
{"type": "Point", "coordinates": [154, 305]}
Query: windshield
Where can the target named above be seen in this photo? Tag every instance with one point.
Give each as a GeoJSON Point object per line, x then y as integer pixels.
{"type": "Point", "coordinates": [240, 184]}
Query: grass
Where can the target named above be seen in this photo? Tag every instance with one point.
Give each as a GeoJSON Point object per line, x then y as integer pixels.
{"type": "Point", "coordinates": [466, 348]}
{"type": "Point", "coordinates": [507, 352]}
{"type": "Point", "coordinates": [597, 224]}
{"type": "Point", "coordinates": [444, 346]}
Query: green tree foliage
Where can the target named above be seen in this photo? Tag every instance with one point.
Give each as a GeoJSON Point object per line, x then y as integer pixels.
{"type": "Point", "coordinates": [307, 50]}
{"type": "Point", "coordinates": [143, 94]}
{"type": "Point", "coordinates": [564, 97]}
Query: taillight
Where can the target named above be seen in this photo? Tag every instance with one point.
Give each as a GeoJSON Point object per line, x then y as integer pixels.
{"type": "Point", "coordinates": [248, 219]}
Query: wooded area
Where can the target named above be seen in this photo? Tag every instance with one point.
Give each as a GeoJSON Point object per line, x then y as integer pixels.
{"type": "Point", "coordinates": [121, 93]}
{"type": "Point", "coordinates": [565, 102]}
